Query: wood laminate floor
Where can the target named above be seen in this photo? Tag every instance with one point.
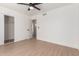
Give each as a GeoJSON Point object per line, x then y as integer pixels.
{"type": "Point", "coordinates": [36, 48]}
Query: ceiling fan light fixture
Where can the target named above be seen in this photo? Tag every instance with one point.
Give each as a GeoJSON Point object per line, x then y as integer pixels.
{"type": "Point", "coordinates": [31, 7]}
{"type": "Point", "coordinates": [28, 9]}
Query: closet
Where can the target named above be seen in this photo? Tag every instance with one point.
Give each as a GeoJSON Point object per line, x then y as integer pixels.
{"type": "Point", "coordinates": [8, 29]}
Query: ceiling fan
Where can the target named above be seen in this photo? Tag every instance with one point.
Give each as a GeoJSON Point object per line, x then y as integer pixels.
{"type": "Point", "coordinates": [31, 5]}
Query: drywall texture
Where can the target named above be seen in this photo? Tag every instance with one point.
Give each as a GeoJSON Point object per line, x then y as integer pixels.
{"type": "Point", "coordinates": [60, 26]}
{"type": "Point", "coordinates": [21, 24]}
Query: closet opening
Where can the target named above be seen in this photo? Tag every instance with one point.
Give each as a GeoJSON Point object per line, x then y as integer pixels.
{"type": "Point", "coordinates": [34, 30]}
{"type": "Point", "coordinates": [8, 29]}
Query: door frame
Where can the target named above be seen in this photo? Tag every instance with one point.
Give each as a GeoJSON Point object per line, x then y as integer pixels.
{"type": "Point", "coordinates": [13, 40]}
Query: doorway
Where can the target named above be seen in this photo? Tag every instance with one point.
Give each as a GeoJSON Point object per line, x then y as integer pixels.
{"type": "Point", "coordinates": [34, 31]}
{"type": "Point", "coordinates": [8, 29]}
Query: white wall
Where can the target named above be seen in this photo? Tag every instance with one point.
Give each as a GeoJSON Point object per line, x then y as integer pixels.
{"type": "Point", "coordinates": [1, 28]}
{"type": "Point", "coordinates": [60, 26]}
{"type": "Point", "coordinates": [21, 24]}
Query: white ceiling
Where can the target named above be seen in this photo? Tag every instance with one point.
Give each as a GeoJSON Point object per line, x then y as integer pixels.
{"type": "Point", "coordinates": [23, 9]}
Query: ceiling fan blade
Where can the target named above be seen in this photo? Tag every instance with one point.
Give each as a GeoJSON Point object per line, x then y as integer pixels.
{"type": "Point", "coordinates": [23, 3]}
{"type": "Point", "coordinates": [36, 3]}
{"type": "Point", "coordinates": [35, 7]}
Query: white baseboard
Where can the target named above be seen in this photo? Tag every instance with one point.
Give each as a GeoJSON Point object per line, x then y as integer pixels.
{"type": "Point", "coordinates": [1, 43]}
{"type": "Point", "coordinates": [20, 39]}
{"type": "Point", "coordinates": [59, 43]}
